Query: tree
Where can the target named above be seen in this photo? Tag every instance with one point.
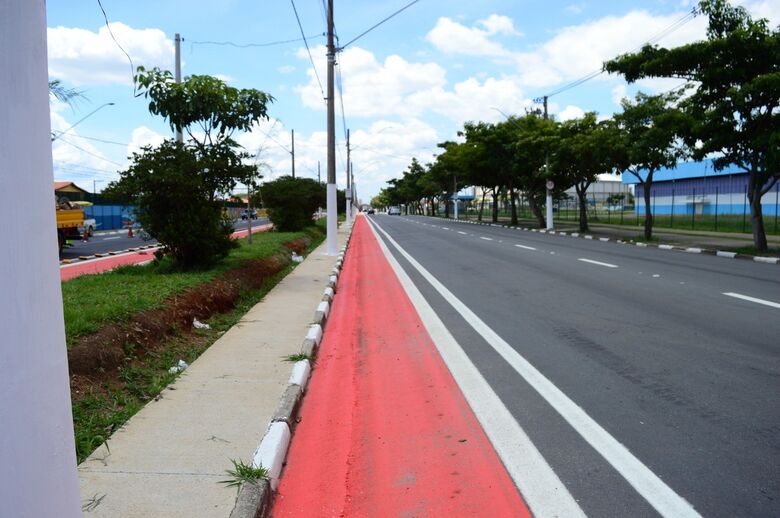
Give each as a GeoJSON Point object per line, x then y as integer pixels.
{"type": "Point", "coordinates": [66, 95]}
{"type": "Point", "coordinates": [174, 204]}
{"type": "Point", "coordinates": [176, 179]}
{"type": "Point", "coordinates": [648, 140]}
{"type": "Point", "coordinates": [735, 105]}
{"type": "Point", "coordinates": [292, 202]}
{"type": "Point", "coordinates": [585, 150]}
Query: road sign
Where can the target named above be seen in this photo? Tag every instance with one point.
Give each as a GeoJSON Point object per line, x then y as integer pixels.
{"type": "Point", "coordinates": [349, 193]}
{"type": "Point", "coordinates": [550, 185]}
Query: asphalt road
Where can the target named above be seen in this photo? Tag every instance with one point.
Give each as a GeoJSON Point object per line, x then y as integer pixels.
{"type": "Point", "coordinates": [116, 240]}
{"type": "Point", "coordinates": [645, 341]}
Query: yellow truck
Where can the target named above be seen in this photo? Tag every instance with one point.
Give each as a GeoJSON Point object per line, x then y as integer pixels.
{"type": "Point", "coordinates": [69, 218]}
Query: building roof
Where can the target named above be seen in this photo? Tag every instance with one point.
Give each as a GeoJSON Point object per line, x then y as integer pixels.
{"type": "Point", "coordinates": [68, 187]}
{"type": "Point", "coordinates": [684, 170]}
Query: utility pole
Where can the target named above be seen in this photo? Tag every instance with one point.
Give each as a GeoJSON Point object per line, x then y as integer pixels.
{"type": "Point", "coordinates": [332, 225]}
{"type": "Point", "coordinates": [38, 468]}
{"type": "Point", "coordinates": [550, 184]}
{"type": "Point", "coordinates": [349, 185]}
{"type": "Point", "coordinates": [319, 179]}
{"type": "Point", "coordinates": [455, 195]}
{"type": "Point", "coordinates": [292, 136]}
{"type": "Point", "coordinates": [177, 40]}
{"type": "Point", "coordinates": [249, 210]}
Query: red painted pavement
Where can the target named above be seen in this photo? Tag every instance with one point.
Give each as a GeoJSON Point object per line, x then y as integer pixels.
{"type": "Point", "coordinates": [69, 271]}
{"type": "Point", "coordinates": [385, 431]}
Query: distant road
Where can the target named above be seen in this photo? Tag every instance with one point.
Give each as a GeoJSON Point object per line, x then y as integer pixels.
{"type": "Point", "coordinates": [647, 379]}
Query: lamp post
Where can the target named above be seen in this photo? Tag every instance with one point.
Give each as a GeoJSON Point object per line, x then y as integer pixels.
{"type": "Point", "coordinates": [61, 133]}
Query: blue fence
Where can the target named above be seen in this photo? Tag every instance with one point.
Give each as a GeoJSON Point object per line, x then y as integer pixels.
{"type": "Point", "coordinates": [110, 217]}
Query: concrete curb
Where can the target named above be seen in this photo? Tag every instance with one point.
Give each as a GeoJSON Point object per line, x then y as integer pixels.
{"type": "Point", "coordinates": [660, 246]}
{"type": "Point", "coordinates": [254, 499]}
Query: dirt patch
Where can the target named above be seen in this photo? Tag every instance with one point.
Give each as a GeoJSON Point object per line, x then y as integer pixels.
{"type": "Point", "coordinates": [98, 356]}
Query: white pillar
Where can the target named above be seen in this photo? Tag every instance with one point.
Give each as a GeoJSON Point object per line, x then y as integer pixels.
{"type": "Point", "coordinates": [549, 209]}
{"type": "Point", "coordinates": [37, 455]}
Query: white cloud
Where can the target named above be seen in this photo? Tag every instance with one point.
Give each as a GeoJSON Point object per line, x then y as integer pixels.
{"type": "Point", "coordinates": [454, 38]}
{"type": "Point", "coordinates": [224, 78]}
{"type": "Point", "coordinates": [574, 9]}
{"type": "Point", "coordinates": [619, 93]}
{"type": "Point", "coordinates": [571, 112]}
{"type": "Point", "coordinates": [143, 136]}
{"type": "Point", "coordinates": [80, 56]}
{"type": "Point", "coordinates": [286, 69]}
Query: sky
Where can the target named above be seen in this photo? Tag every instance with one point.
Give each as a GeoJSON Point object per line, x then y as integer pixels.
{"type": "Point", "coordinates": [402, 88]}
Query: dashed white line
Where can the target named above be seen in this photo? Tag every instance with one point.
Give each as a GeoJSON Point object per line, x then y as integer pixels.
{"type": "Point", "coordinates": [486, 238]}
{"type": "Point", "coordinates": [444, 228]}
{"type": "Point", "coordinates": [599, 263]}
{"type": "Point", "coordinates": [753, 299]}
{"type": "Point", "coordinates": [109, 238]}
{"type": "Point", "coordinates": [525, 247]}
{"type": "Point", "coordinates": [459, 232]}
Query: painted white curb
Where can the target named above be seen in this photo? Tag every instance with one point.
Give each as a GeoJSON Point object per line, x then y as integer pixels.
{"type": "Point", "coordinates": [729, 255]}
{"type": "Point", "coordinates": [575, 234]}
{"type": "Point", "coordinates": [271, 451]}
{"type": "Point", "coordinates": [769, 260]}
{"type": "Point", "coordinates": [642, 244]}
{"type": "Point", "coordinates": [604, 239]}
{"type": "Point", "coordinates": [315, 333]}
{"type": "Point", "coordinates": [328, 293]}
{"type": "Point", "coordinates": [300, 374]}
{"type": "Point", "coordinates": [324, 307]}
{"type": "Point", "coordinates": [693, 250]}
{"type": "Point", "coordinates": [666, 247]}
{"type": "Point", "coordinates": [588, 237]}
{"type": "Point", "coordinates": [333, 278]}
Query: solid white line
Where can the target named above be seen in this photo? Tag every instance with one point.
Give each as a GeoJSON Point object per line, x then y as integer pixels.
{"type": "Point", "coordinates": [110, 238]}
{"type": "Point", "coordinates": [598, 263]}
{"type": "Point", "coordinates": [648, 484]}
{"type": "Point", "coordinates": [525, 247]}
{"type": "Point", "coordinates": [541, 488]}
{"type": "Point", "coordinates": [753, 299]}
{"type": "Point", "coordinates": [486, 238]}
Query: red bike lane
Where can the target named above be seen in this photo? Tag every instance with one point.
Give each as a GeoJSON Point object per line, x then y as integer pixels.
{"type": "Point", "coordinates": [385, 430]}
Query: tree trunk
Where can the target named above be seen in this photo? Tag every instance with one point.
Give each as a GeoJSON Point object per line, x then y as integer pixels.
{"type": "Point", "coordinates": [433, 206]}
{"type": "Point", "coordinates": [494, 217]}
{"type": "Point", "coordinates": [446, 208]}
{"type": "Point", "coordinates": [756, 214]}
{"type": "Point", "coordinates": [537, 211]}
{"type": "Point", "coordinates": [513, 204]}
{"type": "Point", "coordinates": [648, 183]}
{"type": "Point", "coordinates": [582, 197]}
{"type": "Point", "coordinates": [482, 205]}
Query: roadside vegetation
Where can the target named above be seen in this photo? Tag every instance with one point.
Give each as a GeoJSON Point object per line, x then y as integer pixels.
{"type": "Point", "coordinates": [127, 328]}
{"type": "Point", "coordinates": [727, 110]}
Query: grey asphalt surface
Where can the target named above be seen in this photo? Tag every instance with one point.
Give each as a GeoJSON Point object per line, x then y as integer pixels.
{"type": "Point", "coordinates": [116, 240]}
{"type": "Point", "coordinates": [685, 377]}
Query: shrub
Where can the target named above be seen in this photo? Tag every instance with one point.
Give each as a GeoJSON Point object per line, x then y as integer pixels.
{"type": "Point", "coordinates": [292, 202]}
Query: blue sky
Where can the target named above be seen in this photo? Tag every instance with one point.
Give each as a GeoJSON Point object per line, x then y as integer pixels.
{"type": "Point", "coordinates": [407, 85]}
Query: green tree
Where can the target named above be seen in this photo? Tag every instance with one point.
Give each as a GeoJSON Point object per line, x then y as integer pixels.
{"type": "Point", "coordinates": [648, 140]}
{"type": "Point", "coordinates": [63, 94]}
{"type": "Point", "coordinates": [174, 203]}
{"type": "Point", "coordinates": [735, 104]}
{"type": "Point", "coordinates": [292, 202]}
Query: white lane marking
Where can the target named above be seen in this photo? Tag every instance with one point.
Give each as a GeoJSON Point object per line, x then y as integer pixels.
{"type": "Point", "coordinates": [541, 488]}
{"type": "Point", "coordinates": [753, 299]}
{"type": "Point", "coordinates": [525, 247]}
{"type": "Point", "coordinates": [642, 479]}
{"type": "Point", "coordinates": [110, 238]}
{"type": "Point", "coordinates": [486, 238]}
{"type": "Point", "coordinates": [459, 232]}
{"type": "Point", "coordinates": [591, 261]}
{"type": "Point", "coordinates": [444, 228]}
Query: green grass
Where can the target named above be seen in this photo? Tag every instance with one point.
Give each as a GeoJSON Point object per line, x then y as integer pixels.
{"type": "Point", "coordinates": [298, 357]}
{"type": "Point", "coordinates": [91, 301]}
{"type": "Point", "coordinates": [242, 473]}
{"type": "Point", "coordinates": [103, 409]}
{"type": "Point", "coordinates": [752, 250]}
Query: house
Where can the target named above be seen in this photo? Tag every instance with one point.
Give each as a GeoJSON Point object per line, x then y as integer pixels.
{"type": "Point", "coordinates": [696, 188]}
{"type": "Point", "coordinates": [71, 191]}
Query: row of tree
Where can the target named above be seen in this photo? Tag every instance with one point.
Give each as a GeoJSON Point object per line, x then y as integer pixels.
{"type": "Point", "coordinates": [728, 110]}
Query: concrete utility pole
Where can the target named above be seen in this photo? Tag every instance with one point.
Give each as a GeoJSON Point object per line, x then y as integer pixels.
{"type": "Point", "coordinates": [319, 179]}
{"type": "Point", "coordinates": [38, 474]}
{"type": "Point", "coordinates": [177, 40]}
{"type": "Point", "coordinates": [550, 184]}
{"type": "Point", "coordinates": [455, 195]}
{"type": "Point", "coordinates": [332, 225]}
{"type": "Point", "coordinates": [349, 185]}
{"type": "Point", "coordinates": [292, 137]}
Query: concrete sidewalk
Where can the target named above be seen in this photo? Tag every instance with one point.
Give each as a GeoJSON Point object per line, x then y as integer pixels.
{"type": "Point", "coordinates": [167, 461]}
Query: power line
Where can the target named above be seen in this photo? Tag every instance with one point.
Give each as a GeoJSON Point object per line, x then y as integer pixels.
{"type": "Point", "coordinates": [125, 144]}
{"type": "Point", "coordinates": [399, 11]}
{"type": "Point", "coordinates": [132, 66]}
{"type": "Point", "coordinates": [308, 50]}
{"type": "Point", "coordinates": [90, 152]}
{"type": "Point", "coordinates": [252, 45]}
{"type": "Point", "coordinates": [653, 39]}
{"type": "Point", "coordinates": [340, 88]}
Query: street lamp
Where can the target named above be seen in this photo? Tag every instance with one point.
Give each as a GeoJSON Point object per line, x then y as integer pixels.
{"type": "Point", "coordinates": [61, 133]}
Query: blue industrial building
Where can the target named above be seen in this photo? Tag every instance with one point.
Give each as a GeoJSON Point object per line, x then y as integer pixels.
{"type": "Point", "coordinates": [696, 188]}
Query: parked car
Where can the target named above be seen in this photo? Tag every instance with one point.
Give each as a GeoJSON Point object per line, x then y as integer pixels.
{"type": "Point", "coordinates": [394, 211]}
{"type": "Point", "coordinates": [370, 211]}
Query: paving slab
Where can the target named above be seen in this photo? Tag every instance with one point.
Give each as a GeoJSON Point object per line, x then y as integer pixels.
{"type": "Point", "coordinates": [168, 459]}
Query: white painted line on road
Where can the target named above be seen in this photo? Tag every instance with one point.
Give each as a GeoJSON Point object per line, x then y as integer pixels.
{"type": "Point", "coordinates": [541, 488]}
{"type": "Point", "coordinates": [486, 238]}
{"type": "Point", "coordinates": [753, 299]}
{"type": "Point", "coordinates": [525, 247]}
{"type": "Point", "coordinates": [597, 262]}
{"type": "Point", "coordinates": [642, 479]}
{"type": "Point", "coordinates": [110, 238]}
{"type": "Point", "coordinates": [444, 228]}
{"type": "Point", "coordinates": [459, 232]}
